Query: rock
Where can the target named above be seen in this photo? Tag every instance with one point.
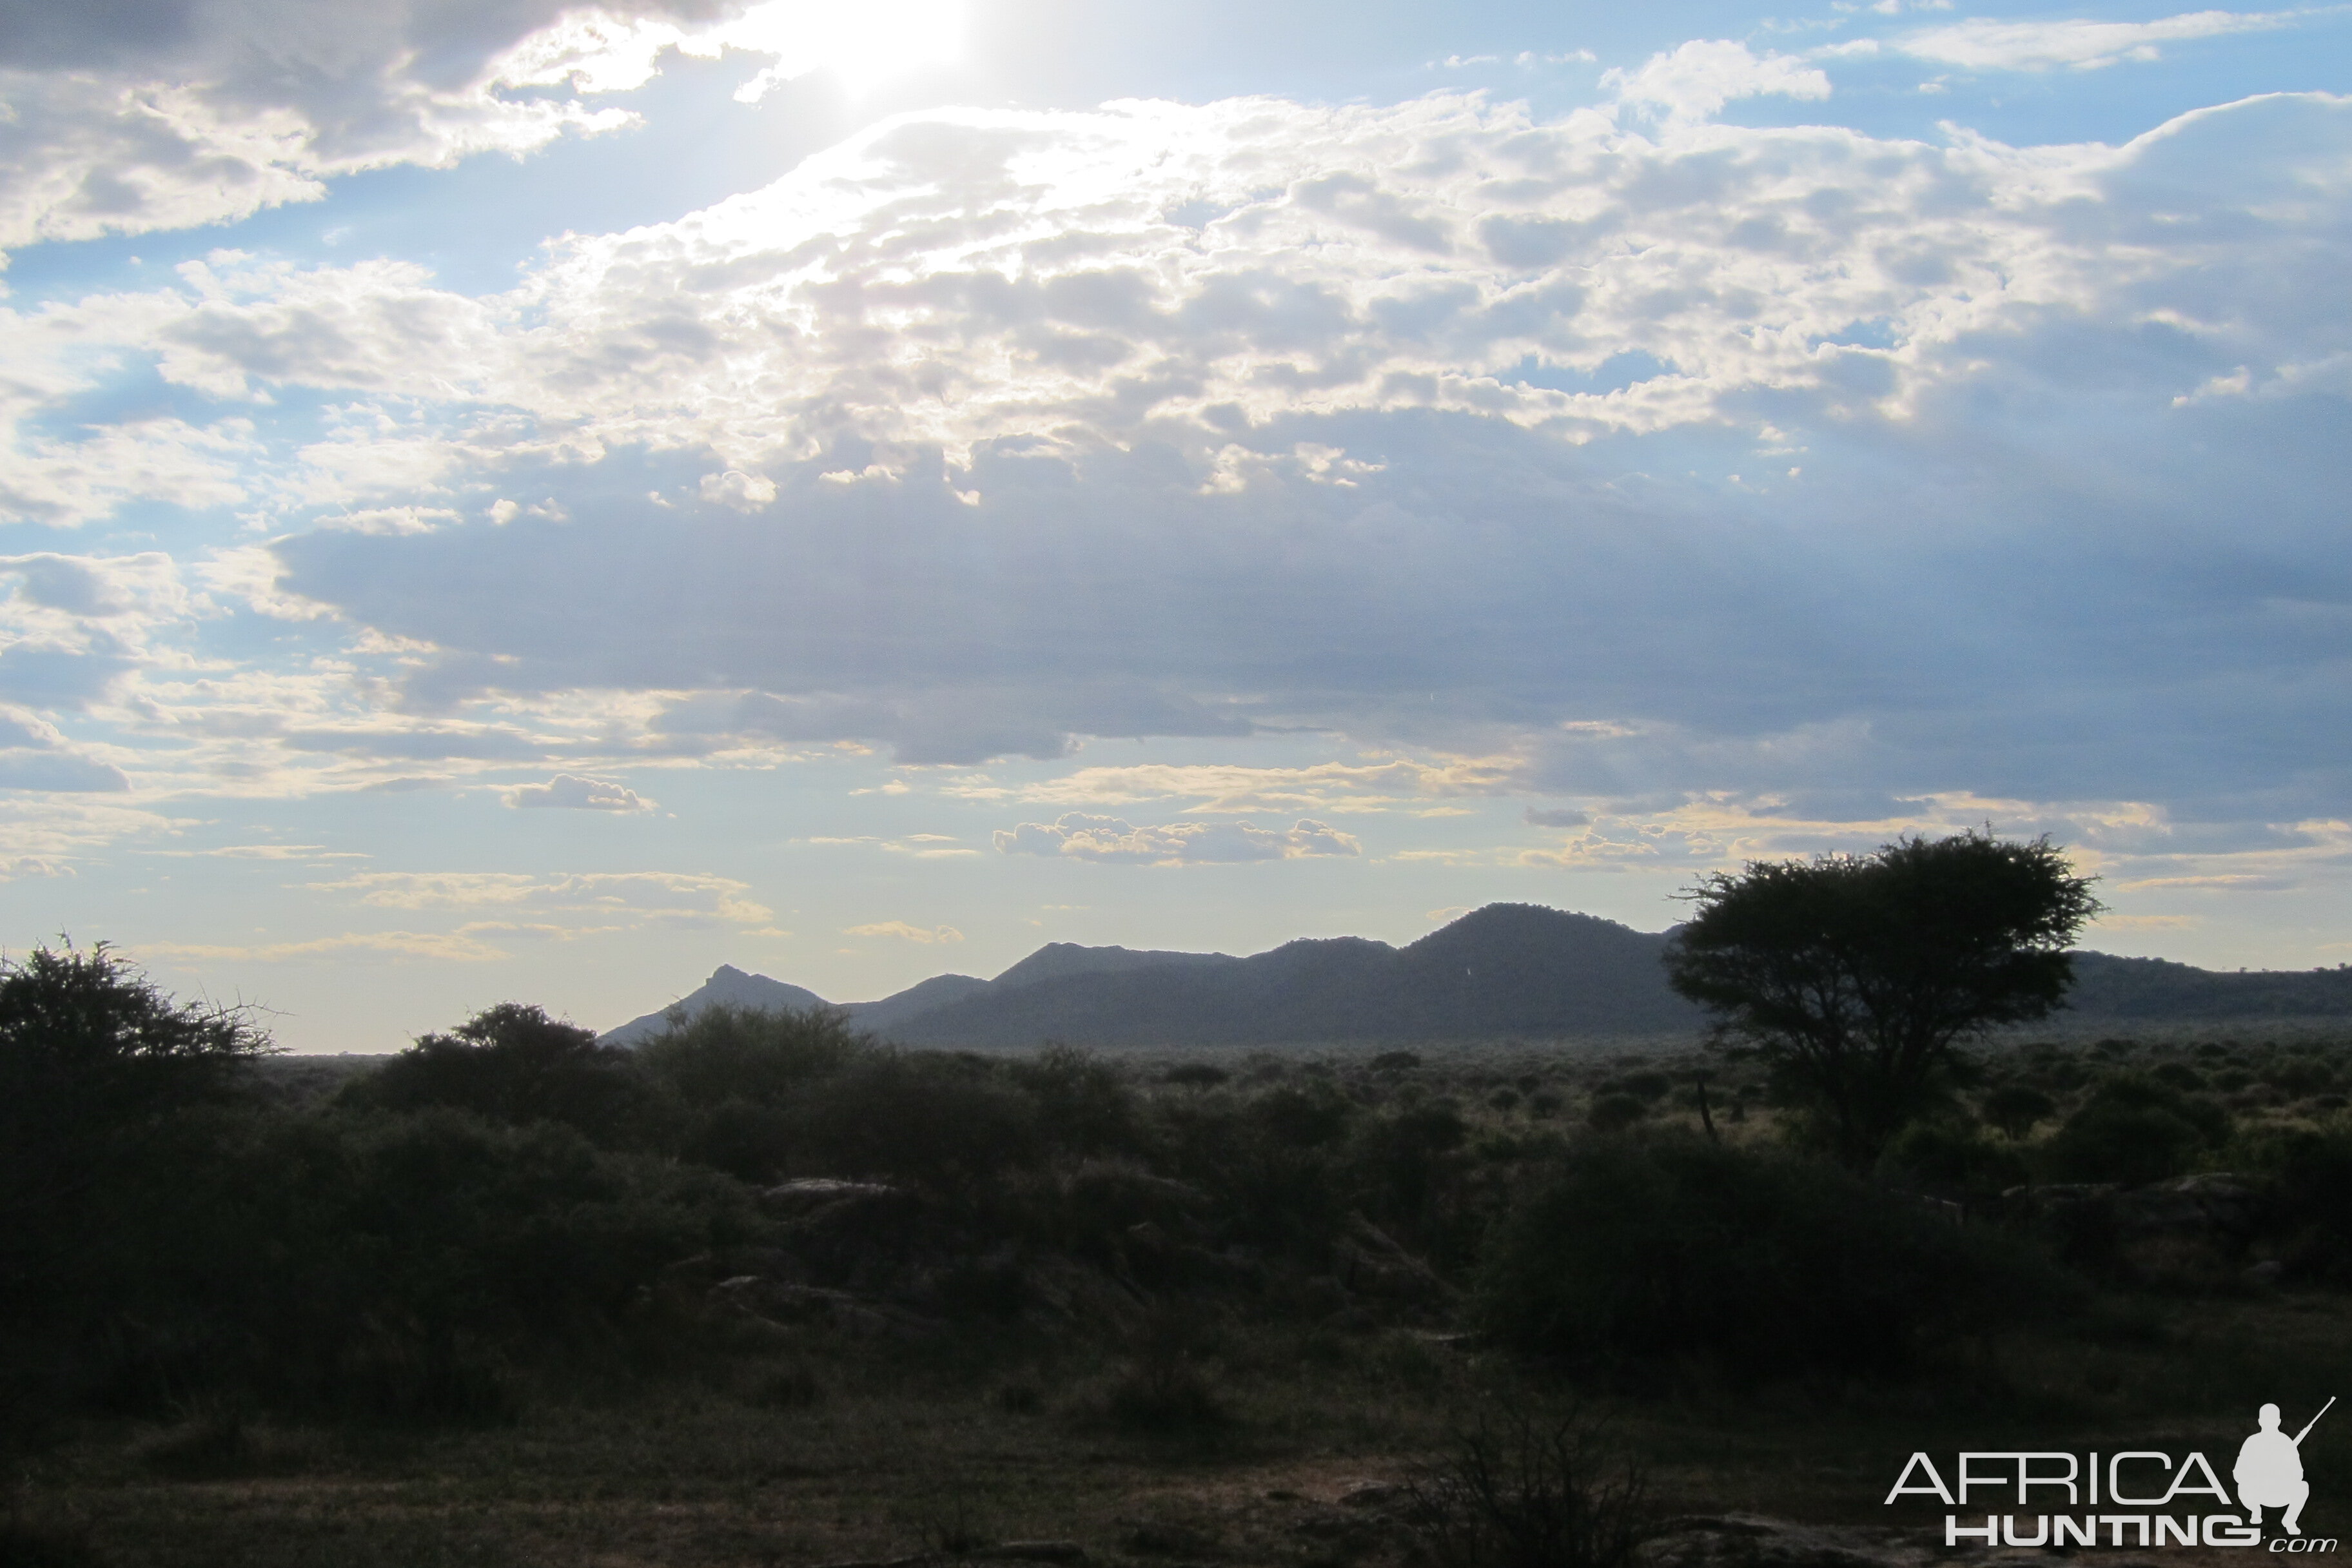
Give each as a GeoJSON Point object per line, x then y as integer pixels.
{"type": "Point", "coordinates": [1373, 1494]}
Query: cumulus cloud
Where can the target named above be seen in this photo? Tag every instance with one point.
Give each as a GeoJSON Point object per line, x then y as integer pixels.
{"type": "Point", "coordinates": [575, 793]}
{"type": "Point", "coordinates": [1658, 456]}
{"type": "Point", "coordinates": [1082, 836]}
{"type": "Point", "coordinates": [153, 114]}
{"type": "Point", "coordinates": [1697, 78]}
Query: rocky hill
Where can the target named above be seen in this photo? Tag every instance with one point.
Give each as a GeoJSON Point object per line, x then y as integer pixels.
{"type": "Point", "coordinates": [1502, 971]}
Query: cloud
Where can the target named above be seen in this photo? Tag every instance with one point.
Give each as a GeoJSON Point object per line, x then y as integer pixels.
{"type": "Point", "coordinates": [152, 114]}
{"type": "Point", "coordinates": [1230, 788]}
{"type": "Point", "coordinates": [458, 947]}
{"type": "Point", "coordinates": [35, 755]}
{"type": "Point", "coordinates": [578, 794]}
{"type": "Point", "coordinates": [919, 846]}
{"type": "Point", "coordinates": [616, 899]}
{"type": "Point", "coordinates": [900, 929]}
{"type": "Point", "coordinates": [742, 491]}
{"type": "Point", "coordinates": [1556, 816]}
{"type": "Point", "coordinates": [1697, 78]}
{"type": "Point", "coordinates": [1108, 839]}
{"type": "Point", "coordinates": [1983, 44]}
{"type": "Point", "coordinates": [1668, 461]}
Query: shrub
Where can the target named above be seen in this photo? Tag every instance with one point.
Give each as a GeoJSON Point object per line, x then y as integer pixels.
{"type": "Point", "coordinates": [2017, 1108]}
{"type": "Point", "coordinates": [1084, 1104]}
{"type": "Point", "coordinates": [1615, 1113]}
{"type": "Point", "coordinates": [758, 1055]}
{"type": "Point", "coordinates": [1648, 1086]}
{"type": "Point", "coordinates": [514, 1064]}
{"type": "Point", "coordinates": [941, 1119]}
{"type": "Point", "coordinates": [2313, 1194]}
{"type": "Point", "coordinates": [1647, 1251]}
{"type": "Point", "coordinates": [388, 1265]}
{"type": "Point", "coordinates": [1164, 1390]}
{"type": "Point", "coordinates": [1524, 1492]}
{"type": "Point", "coordinates": [1954, 1159]}
{"type": "Point", "coordinates": [2300, 1076]}
{"type": "Point", "coordinates": [2134, 1129]}
{"type": "Point", "coordinates": [92, 1055]}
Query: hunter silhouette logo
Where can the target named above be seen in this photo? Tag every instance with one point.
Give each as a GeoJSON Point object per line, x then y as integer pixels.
{"type": "Point", "coordinates": [2269, 1472]}
{"type": "Point", "coordinates": [2137, 1498]}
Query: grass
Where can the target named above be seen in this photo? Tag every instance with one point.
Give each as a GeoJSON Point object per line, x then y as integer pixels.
{"type": "Point", "coordinates": [902, 1453]}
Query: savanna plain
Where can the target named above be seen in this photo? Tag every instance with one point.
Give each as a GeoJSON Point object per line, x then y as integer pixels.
{"type": "Point", "coordinates": [767, 1290]}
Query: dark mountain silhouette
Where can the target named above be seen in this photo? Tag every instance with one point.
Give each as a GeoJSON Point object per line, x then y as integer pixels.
{"type": "Point", "coordinates": [727, 984]}
{"type": "Point", "coordinates": [887, 1014]}
{"type": "Point", "coordinates": [1505, 970]}
{"type": "Point", "coordinates": [2156, 988]}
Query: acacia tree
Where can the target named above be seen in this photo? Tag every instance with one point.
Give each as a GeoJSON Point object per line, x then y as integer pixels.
{"type": "Point", "coordinates": [91, 1053]}
{"type": "Point", "coordinates": [1856, 977]}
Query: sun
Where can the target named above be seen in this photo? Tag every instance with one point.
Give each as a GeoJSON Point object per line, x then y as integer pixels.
{"type": "Point", "coordinates": [864, 44]}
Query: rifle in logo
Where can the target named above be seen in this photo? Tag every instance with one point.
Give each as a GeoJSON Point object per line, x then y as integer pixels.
{"type": "Point", "coordinates": [2269, 1471]}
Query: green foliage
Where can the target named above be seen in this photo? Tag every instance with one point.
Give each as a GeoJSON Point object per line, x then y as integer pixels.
{"type": "Point", "coordinates": [1615, 1113]}
{"type": "Point", "coordinates": [2313, 1194]}
{"type": "Point", "coordinates": [2017, 1109]}
{"type": "Point", "coordinates": [757, 1056]}
{"type": "Point", "coordinates": [380, 1264]}
{"type": "Point", "coordinates": [2134, 1129]}
{"type": "Point", "coordinates": [927, 1117]}
{"type": "Point", "coordinates": [1673, 1249]}
{"type": "Point", "coordinates": [1084, 1103]}
{"type": "Point", "coordinates": [93, 1059]}
{"type": "Point", "coordinates": [1954, 1159]}
{"type": "Point", "coordinates": [514, 1064]}
{"type": "Point", "coordinates": [1856, 977]}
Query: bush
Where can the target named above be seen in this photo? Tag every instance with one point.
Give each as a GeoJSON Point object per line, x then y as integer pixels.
{"type": "Point", "coordinates": [384, 1264]}
{"type": "Point", "coordinates": [514, 1064]}
{"type": "Point", "coordinates": [1615, 1113]}
{"type": "Point", "coordinates": [1522, 1492]}
{"type": "Point", "coordinates": [2313, 1194]}
{"type": "Point", "coordinates": [1954, 1161]}
{"type": "Point", "coordinates": [1655, 1251]}
{"type": "Point", "coordinates": [758, 1055]}
{"type": "Point", "coordinates": [1084, 1104]}
{"type": "Point", "coordinates": [2017, 1109]}
{"type": "Point", "coordinates": [92, 1055]}
{"type": "Point", "coordinates": [2134, 1129]}
{"type": "Point", "coordinates": [944, 1120]}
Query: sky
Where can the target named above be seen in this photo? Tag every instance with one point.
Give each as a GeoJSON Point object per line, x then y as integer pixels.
{"type": "Point", "coordinates": [503, 501]}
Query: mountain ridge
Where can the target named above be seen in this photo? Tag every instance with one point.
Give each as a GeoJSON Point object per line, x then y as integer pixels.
{"type": "Point", "coordinates": [1503, 970]}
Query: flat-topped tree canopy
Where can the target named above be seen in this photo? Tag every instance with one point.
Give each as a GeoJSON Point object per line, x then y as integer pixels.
{"type": "Point", "coordinates": [1856, 977]}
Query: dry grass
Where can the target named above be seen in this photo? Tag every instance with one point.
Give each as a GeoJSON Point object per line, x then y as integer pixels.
{"type": "Point", "coordinates": [902, 1454]}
